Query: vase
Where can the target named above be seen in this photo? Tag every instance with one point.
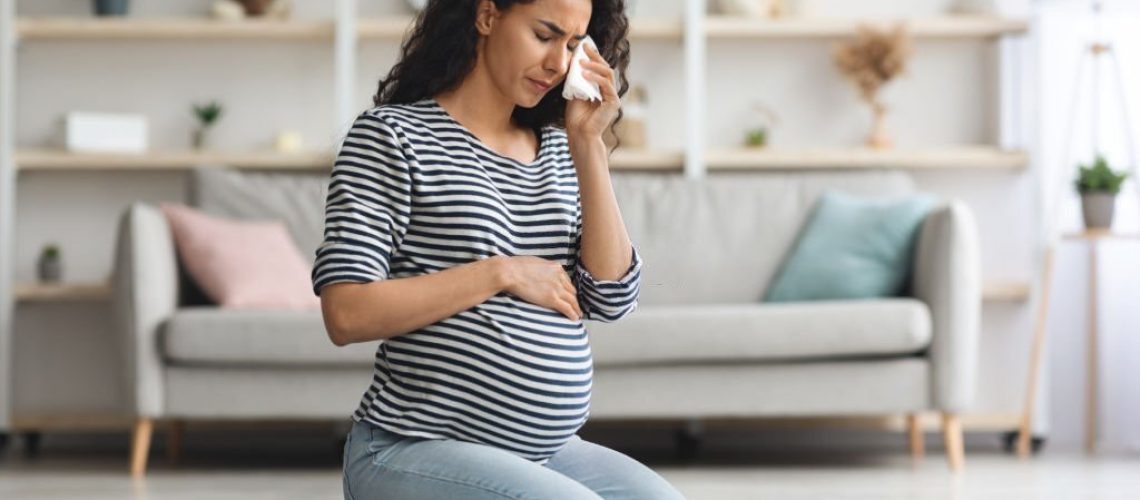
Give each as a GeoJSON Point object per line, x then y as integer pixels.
{"type": "Point", "coordinates": [111, 7]}
{"type": "Point", "coordinates": [880, 138]}
{"type": "Point", "coordinates": [201, 136]}
{"type": "Point", "coordinates": [1097, 209]}
{"type": "Point", "coordinates": [50, 268]}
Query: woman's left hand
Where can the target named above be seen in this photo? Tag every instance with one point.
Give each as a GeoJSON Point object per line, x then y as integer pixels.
{"type": "Point", "coordinates": [588, 119]}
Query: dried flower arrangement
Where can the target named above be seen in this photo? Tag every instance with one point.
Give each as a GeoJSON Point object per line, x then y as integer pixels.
{"type": "Point", "coordinates": [870, 61]}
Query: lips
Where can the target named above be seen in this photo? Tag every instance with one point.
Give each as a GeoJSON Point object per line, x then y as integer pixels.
{"type": "Point", "coordinates": [539, 85]}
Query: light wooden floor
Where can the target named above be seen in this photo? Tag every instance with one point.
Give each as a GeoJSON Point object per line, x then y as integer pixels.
{"type": "Point", "coordinates": [234, 469]}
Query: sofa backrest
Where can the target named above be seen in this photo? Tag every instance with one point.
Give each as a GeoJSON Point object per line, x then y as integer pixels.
{"type": "Point", "coordinates": [721, 239]}
{"type": "Point", "coordinates": [717, 240]}
{"type": "Point", "coordinates": [298, 199]}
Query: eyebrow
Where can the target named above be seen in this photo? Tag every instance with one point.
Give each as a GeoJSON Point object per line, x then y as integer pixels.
{"type": "Point", "coordinates": [558, 29]}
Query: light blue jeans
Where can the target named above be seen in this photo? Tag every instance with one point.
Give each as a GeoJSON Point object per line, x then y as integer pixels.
{"type": "Point", "coordinates": [381, 464]}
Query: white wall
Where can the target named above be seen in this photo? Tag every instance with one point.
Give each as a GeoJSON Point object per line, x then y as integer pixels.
{"type": "Point", "coordinates": [948, 97]}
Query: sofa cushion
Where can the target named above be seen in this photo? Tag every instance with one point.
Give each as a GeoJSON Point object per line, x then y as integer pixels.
{"type": "Point", "coordinates": [241, 264]}
{"type": "Point", "coordinates": [763, 332]}
{"type": "Point", "coordinates": [853, 248]}
{"type": "Point", "coordinates": [209, 335]}
{"type": "Point", "coordinates": [721, 239]}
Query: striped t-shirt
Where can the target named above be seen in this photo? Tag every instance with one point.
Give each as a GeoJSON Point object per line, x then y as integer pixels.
{"type": "Point", "coordinates": [414, 192]}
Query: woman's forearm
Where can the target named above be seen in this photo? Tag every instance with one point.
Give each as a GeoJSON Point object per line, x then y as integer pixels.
{"type": "Point", "coordinates": [605, 248]}
{"type": "Point", "coordinates": [388, 308]}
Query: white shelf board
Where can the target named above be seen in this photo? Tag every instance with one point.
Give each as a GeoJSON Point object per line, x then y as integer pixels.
{"type": "Point", "coordinates": [960, 157]}
{"type": "Point", "coordinates": [170, 160]}
{"type": "Point", "coordinates": [394, 28]}
{"type": "Point", "coordinates": [805, 27]}
{"type": "Point", "coordinates": [129, 28]}
{"type": "Point", "coordinates": [62, 292]}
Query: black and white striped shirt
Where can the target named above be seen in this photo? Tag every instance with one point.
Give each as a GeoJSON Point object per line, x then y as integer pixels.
{"type": "Point", "coordinates": [414, 192]}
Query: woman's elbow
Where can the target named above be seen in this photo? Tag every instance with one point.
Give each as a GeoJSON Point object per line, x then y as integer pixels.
{"type": "Point", "coordinates": [338, 325]}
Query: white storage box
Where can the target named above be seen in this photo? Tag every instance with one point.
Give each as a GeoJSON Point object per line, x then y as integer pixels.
{"type": "Point", "coordinates": [105, 132]}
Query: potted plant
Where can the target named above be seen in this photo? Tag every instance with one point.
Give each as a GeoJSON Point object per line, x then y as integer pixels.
{"type": "Point", "coordinates": [50, 266]}
{"type": "Point", "coordinates": [207, 115]}
{"type": "Point", "coordinates": [1098, 185]}
{"type": "Point", "coordinates": [111, 7]}
{"type": "Point", "coordinates": [758, 135]}
{"type": "Point", "coordinates": [870, 61]}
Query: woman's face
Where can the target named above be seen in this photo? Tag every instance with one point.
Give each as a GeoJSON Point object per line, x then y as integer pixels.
{"type": "Point", "coordinates": [527, 48]}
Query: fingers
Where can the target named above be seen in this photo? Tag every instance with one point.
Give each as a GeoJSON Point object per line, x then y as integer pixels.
{"type": "Point", "coordinates": [600, 68]}
{"type": "Point", "coordinates": [593, 54]}
{"type": "Point", "coordinates": [606, 85]}
{"type": "Point", "coordinates": [573, 294]}
{"type": "Point", "coordinates": [569, 308]}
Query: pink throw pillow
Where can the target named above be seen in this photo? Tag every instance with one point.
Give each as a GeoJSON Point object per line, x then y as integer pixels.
{"type": "Point", "coordinates": [241, 264]}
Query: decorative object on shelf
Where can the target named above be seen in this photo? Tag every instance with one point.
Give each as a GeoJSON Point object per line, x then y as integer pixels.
{"type": "Point", "coordinates": [111, 7]}
{"type": "Point", "coordinates": [630, 131]}
{"type": "Point", "coordinates": [276, 9]}
{"type": "Point", "coordinates": [417, 5]}
{"type": "Point", "coordinates": [758, 135]}
{"type": "Point", "coordinates": [288, 141]}
{"type": "Point", "coordinates": [85, 132]}
{"type": "Point", "coordinates": [870, 61]}
{"type": "Point", "coordinates": [1098, 186]}
{"type": "Point", "coordinates": [208, 115]}
{"type": "Point", "coordinates": [974, 7]}
{"type": "Point", "coordinates": [750, 8]}
{"type": "Point", "coordinates": [50, 266]}
{"type": "Point", "coordinates": [280, 9]}
{"type": "Point", "coordinates": [227, 10]}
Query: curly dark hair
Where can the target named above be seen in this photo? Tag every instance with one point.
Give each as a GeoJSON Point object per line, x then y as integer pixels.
{"type": "Point", "coordinates": [440, 51]}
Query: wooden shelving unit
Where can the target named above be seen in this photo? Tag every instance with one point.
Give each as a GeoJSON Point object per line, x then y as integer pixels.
{"type": "Point", "coordinates": [721, 27]}
{"type": "Point", "coordinates": [965, 157]}
{"type": "Point", "coordinates": [694, 32]}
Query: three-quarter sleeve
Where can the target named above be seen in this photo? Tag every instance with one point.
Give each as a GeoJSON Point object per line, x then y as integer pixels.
{"type": "Point", "coordinates": [367, 208]}
{"type": "Point", "coordinates": [606, 300]}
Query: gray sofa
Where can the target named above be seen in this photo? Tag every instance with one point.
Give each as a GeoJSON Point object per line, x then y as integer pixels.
{"type": "Point", "coordinates": [700, 345]}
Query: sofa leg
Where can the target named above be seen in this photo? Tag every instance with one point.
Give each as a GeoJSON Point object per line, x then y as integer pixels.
{"type": "Point", "coordinates": [174, 440]}
{"type": "Point", "coordinates": [140, 445]}
{"type": "Point", "coordinates": [915, 436]}
{"type": "Point", "coordinates": [952, 432]}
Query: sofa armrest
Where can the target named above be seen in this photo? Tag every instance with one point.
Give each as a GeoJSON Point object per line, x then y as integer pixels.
{"type": "Point", "coordinates": [947, 277]}
{"type": "Point", "coordinates": [145, 284]}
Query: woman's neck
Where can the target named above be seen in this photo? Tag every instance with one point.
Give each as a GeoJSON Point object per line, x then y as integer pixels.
{"type": "Point", "coordinates": [478, 105]}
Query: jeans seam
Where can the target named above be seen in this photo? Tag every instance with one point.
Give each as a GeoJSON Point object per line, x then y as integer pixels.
{"type": "Point", "coordinates": [445, 480]}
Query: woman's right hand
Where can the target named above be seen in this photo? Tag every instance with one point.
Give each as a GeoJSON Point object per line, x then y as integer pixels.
{"type": "Point", "coordinates": [543, 282]}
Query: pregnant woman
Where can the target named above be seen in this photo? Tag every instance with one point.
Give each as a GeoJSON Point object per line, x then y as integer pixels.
{"type": "Point", "coordinates": [471, 226]}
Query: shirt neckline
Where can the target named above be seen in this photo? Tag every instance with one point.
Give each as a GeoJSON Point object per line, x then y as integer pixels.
{"type": "Point", "coordinates": [543, 137]}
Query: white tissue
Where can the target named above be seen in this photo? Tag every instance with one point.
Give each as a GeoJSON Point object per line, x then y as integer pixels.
{"type": "Point", "coordinates": [576, 86]}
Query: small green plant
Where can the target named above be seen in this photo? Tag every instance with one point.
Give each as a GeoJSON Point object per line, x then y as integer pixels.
{"type": "Point", "coordinates": [208, 113]}
{"type": "Point", "coordinates": [1099, 178]}
{"type": "Point", "coordinates": [757, 137]}
{"type": "Point", "coordinates": [51, 251]}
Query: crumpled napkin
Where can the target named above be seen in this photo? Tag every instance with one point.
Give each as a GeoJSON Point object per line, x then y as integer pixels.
{"type": "Point", "coordinates": [577, 86]}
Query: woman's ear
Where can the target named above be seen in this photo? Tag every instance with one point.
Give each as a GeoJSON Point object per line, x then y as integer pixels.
{"type": "Point", "coordinates": [485, 16]}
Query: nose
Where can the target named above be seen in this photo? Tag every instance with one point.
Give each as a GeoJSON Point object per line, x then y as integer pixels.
{"type": "Point", "coordinates": [557, 61]}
